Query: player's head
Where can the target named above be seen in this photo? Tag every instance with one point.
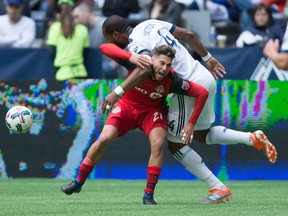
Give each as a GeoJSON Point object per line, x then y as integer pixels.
{"type": "Point", "coordinates": [115, 29]}
{"type": "Point", "coordinates": [162, 61]}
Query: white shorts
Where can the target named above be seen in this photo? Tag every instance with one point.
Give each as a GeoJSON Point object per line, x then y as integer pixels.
{"type": "Point", "coordinates": [182, 106]}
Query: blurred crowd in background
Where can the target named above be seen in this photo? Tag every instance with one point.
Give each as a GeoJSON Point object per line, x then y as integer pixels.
{"type": "Point", "coordinates": [34, 23]}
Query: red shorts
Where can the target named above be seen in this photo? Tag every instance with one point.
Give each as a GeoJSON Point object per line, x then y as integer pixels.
{"type": "Point", "coordinates": [125, 118]}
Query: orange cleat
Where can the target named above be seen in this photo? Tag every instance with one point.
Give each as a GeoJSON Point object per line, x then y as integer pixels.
{"type": "Point", "coordinates": [217, 196]}
{"type": "Point", "coordinates": [260, 141]}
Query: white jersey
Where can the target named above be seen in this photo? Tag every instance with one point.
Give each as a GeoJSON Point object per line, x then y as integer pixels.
{"type": "Point", "coordinates": [150, 34]}
{"type": "Point", "coordinates": [19, 35]}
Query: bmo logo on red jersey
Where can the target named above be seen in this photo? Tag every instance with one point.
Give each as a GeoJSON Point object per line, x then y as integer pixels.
{"type": "Point", "coordinates": [143, 91]}
{"type": "Point", "coordinates": [155, 95]}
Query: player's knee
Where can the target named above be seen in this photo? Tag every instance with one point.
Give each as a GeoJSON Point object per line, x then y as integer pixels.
{"type": "Point", "coordinates": [104, 140]}
{"type": "Point", "coordinates": [157, 149]}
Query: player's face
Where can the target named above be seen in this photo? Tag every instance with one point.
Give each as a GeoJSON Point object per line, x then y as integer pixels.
{"type": "Point", "coordinates": [120, 39]}
{"type": "Point", "coordinates": [161, 67]}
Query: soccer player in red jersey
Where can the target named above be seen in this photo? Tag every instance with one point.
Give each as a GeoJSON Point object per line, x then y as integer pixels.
{"type": "Point", "coordinates": [143, 107]}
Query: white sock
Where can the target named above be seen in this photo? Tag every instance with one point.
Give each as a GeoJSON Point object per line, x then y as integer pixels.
{"type": "Point", "coordinates": [194, 164]}
{"type": "Point", "coordinates": [226, 136]}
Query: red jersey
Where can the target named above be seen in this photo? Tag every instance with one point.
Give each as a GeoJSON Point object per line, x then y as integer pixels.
{"type": "Point", "coordinates": [151, 93]}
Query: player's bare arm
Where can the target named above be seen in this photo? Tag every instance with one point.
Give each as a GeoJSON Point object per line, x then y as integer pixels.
{"type": "Point", "coordinates": [271, 51]}
{"type": "Point", "coordinates": [215, 67]}
{"type": "Point", "coordinates": [136, 76]}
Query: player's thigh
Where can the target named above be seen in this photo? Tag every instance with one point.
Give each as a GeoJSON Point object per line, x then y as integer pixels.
{"type": "Point", "coordinates": [122, 118]}
{"type": "Point", "coordinates": [153, 118]}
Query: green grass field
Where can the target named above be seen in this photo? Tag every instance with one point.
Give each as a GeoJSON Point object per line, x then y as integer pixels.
{"type": "Point", "coordinates": [119, 197]}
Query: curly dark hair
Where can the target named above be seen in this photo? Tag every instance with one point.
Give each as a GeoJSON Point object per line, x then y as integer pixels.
{"type": "Point", "coordinates": [165, 50]}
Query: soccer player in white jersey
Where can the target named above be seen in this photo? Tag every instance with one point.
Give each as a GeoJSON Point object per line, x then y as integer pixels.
{"type": "Point", "coordinates": [143, 39]}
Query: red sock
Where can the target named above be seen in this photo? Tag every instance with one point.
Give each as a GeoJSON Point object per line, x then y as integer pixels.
{"type": "Point", "coordinates": [85, 169]}
{"type": "Point", "coordinates": [153, 173]}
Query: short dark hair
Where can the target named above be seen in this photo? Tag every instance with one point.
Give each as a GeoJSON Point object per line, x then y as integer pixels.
{"type": "Point", "coordinates": [115, 23]}
{"type": "Point", "coordinates": [268, 9]}
{"type": "Point", "coordinates": [165, 50]}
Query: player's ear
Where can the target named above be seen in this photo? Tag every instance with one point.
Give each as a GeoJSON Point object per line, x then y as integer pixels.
{"type": "Point", "coordinates": [115, 34]}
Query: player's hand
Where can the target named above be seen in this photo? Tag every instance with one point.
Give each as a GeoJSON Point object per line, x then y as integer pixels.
{"type": "Point", "coordinates": [187, 133]}
{"type": "Point", "coordinates": [215, 67]}
{"type": "Point", "coordinates": [271, 47]}
{"type": "Point", "coordinates": [143, 61]}
{"type": "Point", "coordinates": [109, 102]}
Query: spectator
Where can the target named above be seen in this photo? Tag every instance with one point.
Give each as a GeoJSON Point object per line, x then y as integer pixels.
{"type": "Point", "coordinates": [120, 7]}
{"type": "Point", "coordinates": [245, 6]}
{"type": "Point", "coordinates": [278, 53]}
{"type": "Point", "coordinates": [16, 30]}
{"type": "Point", "coordinates": [219, 13]}
{"type": "Point", "coordinates": [83, 14]}
{"type": "Point", "coordinates": [233, 10]}
{"type": "Point", "coordinates": [279, 5]}
{"type": "Point", "coordinates": [167, 10]}
{"type": "Point", "coordinates": [262, 29]}
{"type": "Point", "coordinates": [67, 41]}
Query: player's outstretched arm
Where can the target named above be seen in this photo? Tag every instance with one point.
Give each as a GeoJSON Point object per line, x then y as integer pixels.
{"type": "Point", "coordinates": [136, 76]}
{"type": "Point", "coordinates": [215, 67]}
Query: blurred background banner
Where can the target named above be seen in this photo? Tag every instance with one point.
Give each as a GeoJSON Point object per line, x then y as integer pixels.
{"type": "Point", "coordinates": [68, 120]}
{"type": "Point", "coordinates": [34, 64]}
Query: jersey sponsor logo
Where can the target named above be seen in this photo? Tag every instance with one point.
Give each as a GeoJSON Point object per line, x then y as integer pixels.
{"type": "Point", "coordinates": [143, 91]}
{"type": "Point", "coordinates": [160, 89]}
{"type": "Point", "coordinates": [155, 95]}
{"type": "Point", "coordinates": [185, 85]}
{"type": "Point", "coordinates": [116, 110]}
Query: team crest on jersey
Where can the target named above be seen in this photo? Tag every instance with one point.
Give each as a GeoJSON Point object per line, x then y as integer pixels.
{"type": "Point", "coordinates": [185, 85]}
{"type": "Point", "coordinates": [148, 29]}
{"type": "Point", "coordinates": [116, 110]}
{"type": "Point", "coordinates": [160, 89]}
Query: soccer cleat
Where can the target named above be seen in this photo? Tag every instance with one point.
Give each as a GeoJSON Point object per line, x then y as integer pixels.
{"type": "Point", "coordinates": [148, 199]}
{"type": "Point", "coordinates": [217, 196]}
{"type": "Point", "coordinates": [73, 187]}
{"type": "Point", "coordinates": [260, 141]}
